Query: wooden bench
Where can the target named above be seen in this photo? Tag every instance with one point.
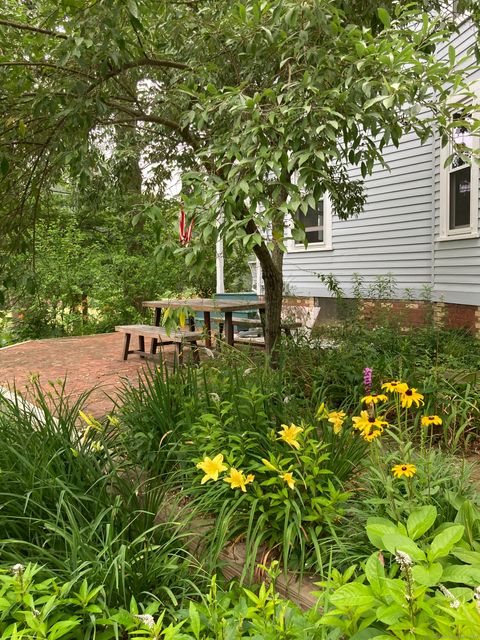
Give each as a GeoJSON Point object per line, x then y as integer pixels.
{"type": "Point", "coordinates": [159, 336]}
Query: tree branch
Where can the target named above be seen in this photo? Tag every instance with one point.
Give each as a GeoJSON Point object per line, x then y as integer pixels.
{"type": "Point", "coordinates": [48, 65]}
{"type": "Point", "coordinates": [27, 27]}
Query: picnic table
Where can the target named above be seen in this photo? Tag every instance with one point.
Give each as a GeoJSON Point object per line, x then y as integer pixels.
{"type": "Point", "coordinates": [208, 306]}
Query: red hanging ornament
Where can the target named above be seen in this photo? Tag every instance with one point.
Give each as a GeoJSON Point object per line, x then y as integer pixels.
{"type": "Point", "coordinates": [185, 234]}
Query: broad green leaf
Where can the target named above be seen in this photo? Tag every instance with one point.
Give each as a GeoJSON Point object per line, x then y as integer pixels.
{"type": "Point", "coordinates": [462, 573]}
{"type": "Point", "coordinates": [376, 530]}
{"type": "Point", "coordinates": [194, 619]}
{"type": "Point", "coordinates": [420, 521]}
{"type": "Point", "coordinates": [353, 595]}
{"type": "Point", "coordinates": [443, 543]}
{"type": "Point", "coordinates": [390, 614]}
{"type": "Point", "coordinates": [466, 555]}
{"type": "Point", "coordinates": [375, 573]}
{"type": "Point", "coordinates": [396, 542]}
{"type": "Point", "coordinates": [428, 576]}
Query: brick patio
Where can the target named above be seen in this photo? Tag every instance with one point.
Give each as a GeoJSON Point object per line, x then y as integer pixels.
{"type": "Point", "coordinates": [85, 362]}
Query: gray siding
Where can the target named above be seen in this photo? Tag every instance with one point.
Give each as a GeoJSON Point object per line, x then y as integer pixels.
{"type": "Point", "coordinates": [397, 231]}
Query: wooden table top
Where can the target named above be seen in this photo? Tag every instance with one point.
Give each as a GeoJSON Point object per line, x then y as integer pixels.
{"type": "Point", "coordinates": [206, 304]}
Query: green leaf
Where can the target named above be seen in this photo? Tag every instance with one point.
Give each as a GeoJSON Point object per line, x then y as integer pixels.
{"type": "Point", "coordinates": [466, 555]}
{"type": "Point", "coordinates": [443, 543]}
{"type": "Point", "coordinates": [353, 595]}
{"type": "Point", "coordinates": [452, 55]}
{"type": "Point", "coordinates": [376, 530]}
{"type": "Point", "coordinates": [194, 619]}
{"type": "Point", "coordinates": [428, 576]}
{"type": "Point", "coordinates": [420, 521]}
{"type": "Point", "coordinates": [375, 573]}
{"type": "Point", "coordinates": [4, 165]}
{"type": "Point", "coordinates": [462, 573]}
{"type": "Point", "coordinates": [384, 17]}
{"type": "Point", "coordinates": [132, 8]}
{"type": "Point", "coordinates": [397, 542]}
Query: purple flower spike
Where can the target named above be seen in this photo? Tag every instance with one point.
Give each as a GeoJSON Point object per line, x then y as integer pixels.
{"type": "Point", "coordinates": [367, 379]}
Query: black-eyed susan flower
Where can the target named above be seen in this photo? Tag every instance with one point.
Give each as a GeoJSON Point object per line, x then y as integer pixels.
{"type": "Point", "coordinates": [237, 479]}
{"type": "Point", "coordinates": [366, 423]}
{"type": "Point", "coordinates": [369, 436]}
{"type": "Point", "coordinates": [290, 435]}
{"type": "Point", "coordinates": [411, 396]}
{"type": "Point", "coordinates": [373, 398]}
{"type": "Point", "coordinates": [289, 479]}
{"type": "Point", "coordinates": [429, 420]}
{"type": "Point", "coordinates": [211, 468]}
{"type": "Point", "coordinates": [408, 470]}
{"type": "Point", "coordinates": [337, 419]}
{"type": "Point", "coordinates": [395, 386]}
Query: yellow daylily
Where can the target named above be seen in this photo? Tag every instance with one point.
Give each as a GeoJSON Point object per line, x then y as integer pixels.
{"type": "Point", "coordinates": [211, 468]}
{"type": "Point", "coordinates": [337, 419]}
{"type": "Point", "coordinates": [289, 479]}
{"type": "Point", "coordinates": [290, 435]}
{"type": "Point", "coordinates": [237, 480]}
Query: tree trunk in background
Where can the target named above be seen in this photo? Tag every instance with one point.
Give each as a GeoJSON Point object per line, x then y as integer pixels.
{"type": "Point", "coordinates": [84, 308]}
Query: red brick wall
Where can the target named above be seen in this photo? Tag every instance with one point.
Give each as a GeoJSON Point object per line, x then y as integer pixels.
{"type": "Point", "coordinates": [406, 313]}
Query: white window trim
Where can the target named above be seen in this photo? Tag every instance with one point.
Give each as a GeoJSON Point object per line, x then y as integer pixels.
{"type": "Point", "coordinates": [326, 245]}
{"type": "Point", "coordinates": [462, 233]}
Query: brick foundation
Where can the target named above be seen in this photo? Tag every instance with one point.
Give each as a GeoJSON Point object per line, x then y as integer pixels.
{"type": "Point", "coordinates": [403, 313]}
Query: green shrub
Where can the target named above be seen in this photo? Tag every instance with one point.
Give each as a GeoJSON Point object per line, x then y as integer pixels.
{"type": "Point", "coordinates": [72, 500]}
{"type": "Point", "coordinates": [413, 588]}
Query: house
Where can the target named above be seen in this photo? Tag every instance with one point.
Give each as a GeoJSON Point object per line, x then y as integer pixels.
{"type": "Point", "coordinates": [420, 224]}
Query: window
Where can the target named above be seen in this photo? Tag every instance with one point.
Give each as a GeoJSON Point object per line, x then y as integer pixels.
{"type": "Point", "coordinates": [459, 187]}
{"type": "Point", "coordinates": [313, 221]}
{"type": "Point", "coordinates": [460, 183]}
{"type": "Point", "coordinates": [317, 223]}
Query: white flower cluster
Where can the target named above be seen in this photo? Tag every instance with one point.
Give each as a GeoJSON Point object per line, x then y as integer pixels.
{"type": "Point", "coordinates": [454, 602]}
{"type": "Point", "coordinates": [403, 559]}
{"type": "Point", "coordinates": [18, 569]}
{"type": "Point", "coordinates": [146, 619]}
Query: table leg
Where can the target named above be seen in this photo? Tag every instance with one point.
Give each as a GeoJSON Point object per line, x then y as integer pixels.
{"type": "Point", "coordinates": [229, 327]}
{"type": "Point", "coordinates": [262, 319]}
{"type": "Point", "coordinates": [158, 318]}
{"type": "Point", "coordinates": [208, 329]}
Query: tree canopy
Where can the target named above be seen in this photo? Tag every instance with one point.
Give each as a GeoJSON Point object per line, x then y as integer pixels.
{"type": "Point", "coordinates": [261, 106]}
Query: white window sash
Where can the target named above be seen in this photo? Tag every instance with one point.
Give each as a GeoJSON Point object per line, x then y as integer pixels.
{"type": "Point", "coordinates": [325, 245]}
{"type": "Point", "coordinates": [467, 231]}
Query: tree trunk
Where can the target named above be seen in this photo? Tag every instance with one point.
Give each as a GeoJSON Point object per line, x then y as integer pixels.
{"type": "Point", "coordinates": [272, 272]}
{"type": "Point", "coordinates": [273, 280]}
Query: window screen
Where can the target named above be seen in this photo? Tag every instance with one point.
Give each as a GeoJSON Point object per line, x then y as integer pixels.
{"type": "Point", "coordinates": [313, 221]}
{"type": "Point", "coordinates": [460, 183]}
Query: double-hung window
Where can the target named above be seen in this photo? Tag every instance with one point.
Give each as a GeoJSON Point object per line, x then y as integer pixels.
{"type": "Point", "coordinates": [317, 224]}
{"type": "Point", "coordinates": [459, 182]}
